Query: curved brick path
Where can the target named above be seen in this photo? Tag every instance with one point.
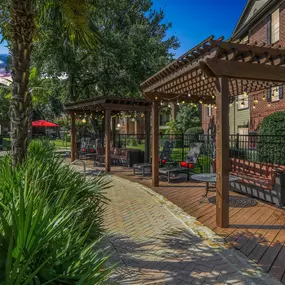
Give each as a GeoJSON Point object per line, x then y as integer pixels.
{"type": "Point", "coordinates": [153, 246]}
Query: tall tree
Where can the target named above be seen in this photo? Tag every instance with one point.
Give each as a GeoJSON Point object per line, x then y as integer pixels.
{"type": "Point", "coordinates": [135, 46]}
{"type": "Point", "coordinates": [22, 23]}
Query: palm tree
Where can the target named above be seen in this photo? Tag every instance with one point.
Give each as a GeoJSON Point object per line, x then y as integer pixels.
{"type": "Point", "coordinates": [22, 22]}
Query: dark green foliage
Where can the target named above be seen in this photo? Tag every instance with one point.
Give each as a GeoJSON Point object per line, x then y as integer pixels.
{"type": "Point", "coordinates": [188, 117]}
{"type": "Point", "coordinates": [194, 133]}
{"type": "Point", "coordinates": [50, 222]}
{"type": "Point", "coordinates": [271, 146]}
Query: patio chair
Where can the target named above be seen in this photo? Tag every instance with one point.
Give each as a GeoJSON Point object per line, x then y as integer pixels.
{"type": "Point", "coordinates": [164, 157]}
{"type": "Point", "coordinates": [192, 160]}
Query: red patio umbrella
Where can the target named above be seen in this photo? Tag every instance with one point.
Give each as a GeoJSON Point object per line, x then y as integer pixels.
{"type": "Point", "coordinates": [43, 123]}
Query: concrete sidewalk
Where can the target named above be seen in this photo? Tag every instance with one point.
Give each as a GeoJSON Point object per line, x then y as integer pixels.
{"type": "Point", "coordinates": [154, 242]}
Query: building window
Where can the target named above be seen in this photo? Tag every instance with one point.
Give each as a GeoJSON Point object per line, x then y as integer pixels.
{"type": "Point", "coordinates": [275, 94]}
{"type": "Point", "coordinates": [210, 111]}
{"type": "Point", "coordinates": [242, 102]}
{"type": "Point", "coordinates": [275, 26]}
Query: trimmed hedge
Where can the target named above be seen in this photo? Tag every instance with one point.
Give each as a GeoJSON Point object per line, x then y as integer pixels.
{"type": "Point", "coordinates": [271, 146]}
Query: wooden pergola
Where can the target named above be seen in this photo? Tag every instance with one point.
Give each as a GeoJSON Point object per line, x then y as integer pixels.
{"type": "Point", "coordinates": [110, 106]}
{"type": "Point", "coordinates": [213, 72]}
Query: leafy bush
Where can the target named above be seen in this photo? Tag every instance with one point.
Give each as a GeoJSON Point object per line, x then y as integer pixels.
{"type": "Point", "coordinates": [271, 147]}
{"type": "Point", "coordinates": [48, 217]}
{"type": "Point", "coordinates": [194, 133]}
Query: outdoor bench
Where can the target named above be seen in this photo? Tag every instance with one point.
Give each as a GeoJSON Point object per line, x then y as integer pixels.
{"type": "Point", "coordinates": [261, 180]}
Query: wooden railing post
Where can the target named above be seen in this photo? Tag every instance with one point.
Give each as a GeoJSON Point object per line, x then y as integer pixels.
{"type": "Point", "coordinates": [222, 154]}
{"type": "Point", "coordinates": [113, 131]}
{"type": "Point", "coordinates": [73, 136]}
{"type": "Point", "coordinates": [155, 145]}
{"type": "Point", "coordinates": [147, 137]}
{"type": "Point", "coordinates": [107, 140]}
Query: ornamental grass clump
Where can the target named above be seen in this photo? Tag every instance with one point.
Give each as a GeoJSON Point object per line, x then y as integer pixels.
{"type": "Point", "coordinates": [50, 222]}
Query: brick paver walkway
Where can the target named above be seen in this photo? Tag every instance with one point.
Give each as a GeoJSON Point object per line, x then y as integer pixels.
{"type": "Point", "coordinates": [152, 245]}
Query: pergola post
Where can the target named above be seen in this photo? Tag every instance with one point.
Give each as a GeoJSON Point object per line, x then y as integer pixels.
{"type": "Point", "coordinates": [155, 145]}
{"type": "Point", "coordinates": [113, 131]}
{"type": "Point", "coordinates": [107, 140]}
{"type": "Point", "coordinates": [73, 136]}
{"type": "Point", "coordinates": [222, 153]}
{"type": "Point", "coordinates": [147, 137]}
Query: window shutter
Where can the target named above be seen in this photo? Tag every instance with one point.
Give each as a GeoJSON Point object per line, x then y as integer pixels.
{"type": "Point", "coordinates": [268, 95]}
{"type": "Point", "coordinates": [268, 30]}
{"type": "Point", "coordinates": [281, 92]}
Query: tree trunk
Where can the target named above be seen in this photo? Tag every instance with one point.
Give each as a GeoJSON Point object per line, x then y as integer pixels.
{"type": "Point", "coordinates": [22, 30]}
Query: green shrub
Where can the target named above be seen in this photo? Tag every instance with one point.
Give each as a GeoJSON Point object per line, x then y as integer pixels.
{"type": "Point", "coordinates": [271, 147]}
{"type": "Point", "coordinates": [194, 133]}
{"type": "Point", "coordinates": [50, 222]}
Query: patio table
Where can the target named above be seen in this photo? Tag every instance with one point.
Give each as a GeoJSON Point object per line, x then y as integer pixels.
{"type": "Point", "coordinates": [210, 178]}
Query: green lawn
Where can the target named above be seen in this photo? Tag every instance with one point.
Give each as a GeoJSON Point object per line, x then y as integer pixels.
{"type": "Point", "coordinates": [61, 144]}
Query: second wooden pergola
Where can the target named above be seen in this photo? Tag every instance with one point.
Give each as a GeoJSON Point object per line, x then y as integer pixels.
{"type": "Point", "coordinates": [109, 106]}
{"type": "Point", "coordinates": [213, 73]}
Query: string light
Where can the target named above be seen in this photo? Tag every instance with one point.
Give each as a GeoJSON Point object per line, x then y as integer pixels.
{"type": "Point", "coordinates": [155, 97]}
{"type": "Point", "coordinates": [161, 103]}
{"type": "Point", "coordinates": [255, 100]}
{"type": "Point", "coordinates": [119, 125]}
{"type": "Point", "coordinates": [200, 101]}
{"type": "Point", "coordinates": [142, 115]}
{"type": "Point", "coordinates": [183, 102]}
{"type": "Point", "coordinates": [189, 95]}
{"type": "Point", "coordinates": [168, 105]}
{"type": "Point", "coordinates": [84, 121]}
{"type": "Point", "coordinates": [264, 97]}
{"type": "Point", "coordinates": [203, 76]}
{"type": "Point", "coordinates": [254, 107]}
{"type": "Point", "coordinates": [213, 96]}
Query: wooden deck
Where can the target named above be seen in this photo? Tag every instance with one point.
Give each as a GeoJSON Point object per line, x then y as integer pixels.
{"type": "Point", "coordinates": [257, 230]}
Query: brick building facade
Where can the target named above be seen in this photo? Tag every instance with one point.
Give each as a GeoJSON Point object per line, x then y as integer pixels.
{"type": "Point", "coordinates": [262, 22]}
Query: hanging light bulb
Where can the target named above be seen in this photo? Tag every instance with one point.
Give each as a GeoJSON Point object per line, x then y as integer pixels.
{"type": "Point", "coordinates": [264, 97]}
{"type": "Point", "coordinates": [133, 119]}
{"type": "Point", "coordinates": [142, 115]}
{"type": "Point", "coordinates": [215, 107]}
{"type": "Point", "coordinates": [268, 105]}
{"type": "Point", "coordinates": [203, 76]}
{"type": "Point", "coordinates": [200, 101]}
{"type": "Point", "coordinates": [254, 107]}
{"type": "Point", "coordinates": [255, 100]}
{"type": "Point", "coordinates": [189, 95]}
{"type": "Point", "coordinates": [213, 96]}
{"type": "Point", "coordinates": [183, 102]}
{"type": "Point", "coordinates": [168, 106]}
{"type": "Point", "coordinates": [161, 103]}
{"type": "Point", "coordinates": [119, 125]}
{"type": "Point", "coordinates": [84, 121]}
{"type": "Point", "coordinates": [155, 97]}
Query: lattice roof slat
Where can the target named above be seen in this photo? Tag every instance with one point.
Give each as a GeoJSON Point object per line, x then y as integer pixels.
{"type": "Point", "coordinates": [250, 67]}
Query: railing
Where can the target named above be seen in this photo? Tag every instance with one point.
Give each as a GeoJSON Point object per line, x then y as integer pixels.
{"type": "Point", "coordinates": [255, 148]}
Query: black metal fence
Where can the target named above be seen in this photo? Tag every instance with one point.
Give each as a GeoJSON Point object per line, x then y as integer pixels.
{"type": "Point", "coordinates": [254, 148]}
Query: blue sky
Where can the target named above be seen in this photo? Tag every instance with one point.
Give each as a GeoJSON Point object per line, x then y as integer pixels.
{"type": "Point", "coordinates": [195, 20]}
